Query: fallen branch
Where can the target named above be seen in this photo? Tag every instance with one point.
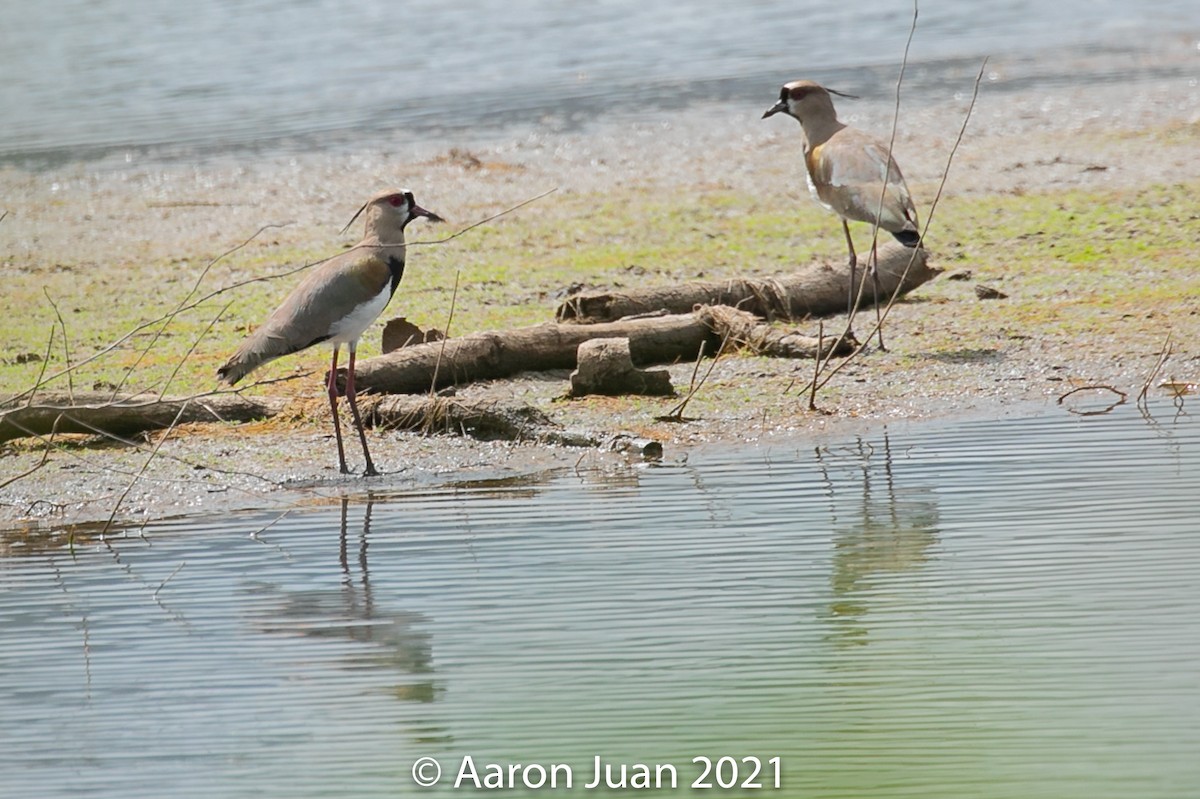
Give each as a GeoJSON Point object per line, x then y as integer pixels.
{"type": "Point", "coordinates": [819, 290]}
{"type": "Point", "coordinates": [1121, 397]}
{"type": "Point", "coordinates": [94, 413]}
{"type": "Point", "coordinates": [539, 348]}
{"type": "Point", "coordinates": [549, 346]}
{"type": "Point", "coordinates": [411, 370]}
{"type": "Point", "coordinates": [493, 420]}
{"type": "Point", "coordinates": [487, 420]}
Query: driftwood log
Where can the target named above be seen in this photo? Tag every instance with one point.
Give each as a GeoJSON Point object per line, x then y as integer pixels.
{"type": "Point", "coordinates": [817, 291]}
{"type": "Point", "coordinates": [412, 369]}
{"type": "Point", "coordinates": [605, 367]}
{"type": "Point", "coordinates": [491, 420]}
{"type": "Point", "coordinates": [501, 354]}
{"type": "Point", "coordinates": [103, 414]}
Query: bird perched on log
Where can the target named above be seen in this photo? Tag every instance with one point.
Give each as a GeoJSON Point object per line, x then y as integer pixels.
{"type": "Point", "coordinates": [336, 302]}
{"type": "Point", "coordinates": [850, 172]}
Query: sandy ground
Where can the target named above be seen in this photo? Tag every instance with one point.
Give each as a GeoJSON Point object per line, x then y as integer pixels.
{"type": "Point", "coordinates": [1028, 135]}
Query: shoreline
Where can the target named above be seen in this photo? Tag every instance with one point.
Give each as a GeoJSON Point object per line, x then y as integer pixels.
{"type": "Point", "coordinates": [84, 230]}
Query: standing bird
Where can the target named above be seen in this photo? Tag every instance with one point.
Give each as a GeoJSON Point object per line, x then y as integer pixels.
{"type": "Point", "coordinates": [850, 172]}
{"type": "Point", "coordinates": [336, 302]}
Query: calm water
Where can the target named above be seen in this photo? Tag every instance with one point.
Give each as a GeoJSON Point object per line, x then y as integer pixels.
{"type": "Point", "coordinates": [992, 609]}
{"type": "Point", "coordinates": [83, 75]}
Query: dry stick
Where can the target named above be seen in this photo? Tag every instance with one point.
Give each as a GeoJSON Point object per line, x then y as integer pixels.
{"type": "Point", "coordinates": [1164, 354]}
{"type": "Point", "coordinates": [676, 413]}
{"type": "Point", "coordinates": [66, 345]}
{"type": "Point", "coordinates": [256, 534]}
{"type": "Point", "coordinates": [239, 284]}
{"type": "Point", "coordinates": [137, 446]}
{"type": "Point", "coordinates": [186, 307]}
{"type": "Point", "coordinates": [192, 348]}
{"type": "Point", "coordinates": [696, 366]}
{"type": "Point", "coordinates": [42, 371]}
{"type": "Point", "coordinates": [962, 131]}
{"type": "Point", "coordinates": [161, 440]}
{"type": "Point", "coordinates": [437, 365]}
{"type": "Point", "coordinates": [40, 464]}
{"type": "Point", "coordinates": [171, 316]}
{"type": "Point", "coordinates": [887, 172]}
{"type": "Point", "coordinates": [474, 225]}
{"type": "Point", "coordinates": [928, 221]}
{"type": "Point", "coordinates": [874, 263]}
{"type": "Point", "coordinates": [812, 394]}
{"type": "Point", "coordinates": [1122, 397]}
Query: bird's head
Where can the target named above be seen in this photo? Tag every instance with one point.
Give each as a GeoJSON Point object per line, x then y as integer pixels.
{"type": "Point", "coordinates": [805, 100]}
{"type": "Point", "coordinates": [389, 212]}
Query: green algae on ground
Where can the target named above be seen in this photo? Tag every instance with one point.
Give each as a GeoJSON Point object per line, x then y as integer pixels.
{"type": "Point", "coordinates": [1071, 262]}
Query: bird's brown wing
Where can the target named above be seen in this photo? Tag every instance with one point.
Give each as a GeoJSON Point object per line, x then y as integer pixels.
{"type": "Point", "coordinates": [307, 316]}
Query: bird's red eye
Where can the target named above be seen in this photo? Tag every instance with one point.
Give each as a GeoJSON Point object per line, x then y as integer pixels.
{"type": "Point", "coordinates": [396, 200]}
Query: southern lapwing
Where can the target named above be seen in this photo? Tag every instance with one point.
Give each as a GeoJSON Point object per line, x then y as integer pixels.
{"type": "Point", "coordinates": [336, 302]}
{"type": "Point", "coordinates": [850, 172]}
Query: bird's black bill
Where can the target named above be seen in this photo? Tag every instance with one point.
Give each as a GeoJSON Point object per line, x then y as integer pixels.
{"type": "Point", "coordinates": [417, 210]}
{"type": "Point", "coordinates": [775, 109]}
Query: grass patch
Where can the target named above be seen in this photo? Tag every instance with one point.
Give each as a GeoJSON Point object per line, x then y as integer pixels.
{"type": "Point", "coordinates": [1070, 261]}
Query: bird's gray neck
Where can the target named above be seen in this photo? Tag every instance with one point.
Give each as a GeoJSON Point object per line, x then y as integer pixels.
{"type": "Point", "coordinates": [819, 131]}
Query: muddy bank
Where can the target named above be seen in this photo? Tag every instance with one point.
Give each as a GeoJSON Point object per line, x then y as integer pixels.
{"type": "Point", "coordinates": [1076, 206]}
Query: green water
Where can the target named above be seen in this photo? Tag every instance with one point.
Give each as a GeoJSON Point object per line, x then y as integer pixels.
{"type": "Point", "coordinates": [988, 609]}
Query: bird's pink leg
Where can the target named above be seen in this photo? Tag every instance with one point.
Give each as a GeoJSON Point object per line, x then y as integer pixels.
{"type": "Point", "coordinates": [350, 394]}
{"type": "Point", "coordinates": [333, 395]}
{"type": "Point", "coordinates": [875, 286]}
{"type": "Point", "coordinates": [853, 265]}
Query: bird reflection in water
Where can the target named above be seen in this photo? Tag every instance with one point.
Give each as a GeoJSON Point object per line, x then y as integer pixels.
{"type": "Point", "coordinates": [883, 530]}
{"type": "Point", "coordinates": [389, 639]}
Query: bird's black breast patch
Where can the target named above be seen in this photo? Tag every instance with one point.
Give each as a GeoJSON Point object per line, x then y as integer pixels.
{"type": "Point", "coordinates": [396, 267]}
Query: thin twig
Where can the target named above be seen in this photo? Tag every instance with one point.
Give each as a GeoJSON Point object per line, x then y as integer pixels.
{"type": "Point", "coordinates": [506, 211]}
{"type": "Point", "coordinates": [67, 450]}
{"type": "Point", "coordinates": [145, 465]}
{"type": "Point", "coordinates": [812, 394]}
{"type": "Point", "coordinates": [40, 464]}
{"type": "Point", "coordinates": [857, 291]}
{"type": "Point", "coordinates": [676, 413]}
{"type": "Point", "coordinates": [172, 315]}
{"type": "Point", "coordinates": [42, 370]}
{"type": "Point", "coordinates": [192, 349]}
{"type": "Point", "coordinates": [1121, 399]}
{"type": "Point", "coordinates": [66, 344]}
{"type": "Point", "coordinates": [166, 316]}
{"type": "Point", "coordinates": [696, 366]}
{"type": "Point", "coordinates": [437, 365]}
{"type": "Point", "coordinates": [928, 221]}
{"type": "Point", "coordinates": [1164, 354]}
{"type": "Point", "coordinates": [887, 174]}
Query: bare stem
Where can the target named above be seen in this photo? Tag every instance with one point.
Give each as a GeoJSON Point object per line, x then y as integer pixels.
{"type": "Point", "coordinates": [446, 335]}
{"type": "Point", "coordinates": [505, 212]}
{"type": "Point", "coordinates": [145, 465]}
{"type": "Point", "coordinates": [928, 221]}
